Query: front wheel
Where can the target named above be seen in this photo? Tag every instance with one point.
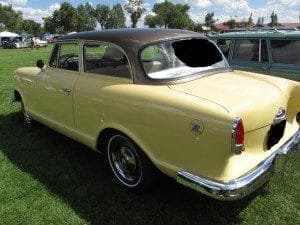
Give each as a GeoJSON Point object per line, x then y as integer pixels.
{"type": "Point", "coordinates": [27, 118]}
{"type": "Point", "coordinates": [129, 164]}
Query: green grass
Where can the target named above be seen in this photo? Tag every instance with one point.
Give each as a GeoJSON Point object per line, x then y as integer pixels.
{"type": "Point", "coordinates": [46, 178]}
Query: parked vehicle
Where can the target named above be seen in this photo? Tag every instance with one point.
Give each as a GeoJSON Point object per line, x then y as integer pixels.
{"type": "Point", "coordinates": [49, 37]}
{"type": "Point", "coordinates": [275, 53]}
{"type": "Point", "coordinates": [40, 43]}
{"type": "Point", "coordinates": [167, 100]}
{"type": "Point", "coordinates": [15, 43]}
{"type": "Point", "coordinates": [8, 44]}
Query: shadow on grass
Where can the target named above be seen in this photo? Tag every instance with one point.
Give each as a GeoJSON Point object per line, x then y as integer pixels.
{"type": "Point", "coordinates": [81, 178]}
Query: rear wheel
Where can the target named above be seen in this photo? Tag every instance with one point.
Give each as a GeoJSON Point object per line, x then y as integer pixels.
{"type": "Point", "coordinates": [129, 164]}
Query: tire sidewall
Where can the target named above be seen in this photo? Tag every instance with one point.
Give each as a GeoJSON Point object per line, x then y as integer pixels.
{"type": "Point", "coordinates": [134, 148]}
{"type": "Point", "coordinates": [28, 120]}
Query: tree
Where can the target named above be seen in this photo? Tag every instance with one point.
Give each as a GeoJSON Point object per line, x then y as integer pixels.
{"type": "Point", "coordinates": [2, 27]}
{"type": "Point", "coordinates": [86, 17]}
{"type": "Point", "coordinates": [31, 27]}
{"type": "Point", "coordinates": [116, 18]}
{"type": "Point", "coordinates": [250, 20]}
{"type": "Point", "coordinates": [231, 23]}
{"type": "Point", "coordinates": [135, 9]}
{"type": "Point", "coordinates": [209, 19]}
{"type": "Point", "coordinates": [169, 15]}
{"type": "Point", "coordinates": [260, 21]}
{"type": "Point", "coordinates": [49, 25]}
{"type": "Point", "coordinates": [154, 21]}
{"type": "Point", "coordinates": [198, 27]}
{"type": "Point", "coordinates": [102, 15]}
{"type": "Point", "coordinates": [65, 18]}
{"type": "Point", "coordinates": [274, 20]}
{"type": "Point", "coordinates": [10, 18]}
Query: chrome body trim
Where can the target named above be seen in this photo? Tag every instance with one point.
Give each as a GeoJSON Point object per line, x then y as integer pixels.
{"type": "Point", "coordinates": [280, 116]}
{"type": "Point", "coordinates": [243, 186]}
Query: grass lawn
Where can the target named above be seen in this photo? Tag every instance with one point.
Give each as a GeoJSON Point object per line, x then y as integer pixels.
{"type": "Point", "coordinates": [46, 178]}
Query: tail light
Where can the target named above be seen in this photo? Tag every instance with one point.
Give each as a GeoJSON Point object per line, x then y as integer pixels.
{"type": "Point", "coordinates": [237, 137]}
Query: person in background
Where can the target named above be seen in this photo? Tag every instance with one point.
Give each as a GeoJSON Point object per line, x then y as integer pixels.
{"type": "Point", "coordinates": [32, 43]}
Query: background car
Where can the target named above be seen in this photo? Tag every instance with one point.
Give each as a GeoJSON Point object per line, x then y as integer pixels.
{"type": "Point", "coordinates": [40, 43]}
{"type": "Point", "coordinates": [8, 44]}
{"type": "Point", "coordinates": [275, 53]}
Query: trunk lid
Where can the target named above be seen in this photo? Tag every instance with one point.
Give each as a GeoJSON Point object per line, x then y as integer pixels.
{"type": "Point", "coordinates": [254, 100]}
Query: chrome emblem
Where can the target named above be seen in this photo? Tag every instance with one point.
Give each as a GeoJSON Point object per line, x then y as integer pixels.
{"type": "Point", "coordinates": [196, 127]}
{"type": "Point", "coordinates": [280, 115]}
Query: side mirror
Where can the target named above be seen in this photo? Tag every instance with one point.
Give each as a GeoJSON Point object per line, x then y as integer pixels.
{"type": "Point", "coordinates": [40, 64]}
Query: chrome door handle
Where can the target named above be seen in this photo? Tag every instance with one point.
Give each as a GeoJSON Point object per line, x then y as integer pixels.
{"type": "Point", "coordinates": [66, 90]}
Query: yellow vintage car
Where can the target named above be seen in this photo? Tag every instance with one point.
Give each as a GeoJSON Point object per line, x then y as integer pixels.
{"type": "Point", "coordinates": [159, 100]}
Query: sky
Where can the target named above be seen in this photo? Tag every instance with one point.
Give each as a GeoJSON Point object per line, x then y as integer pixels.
{"type": "Point", "coordinates": [287, 10]}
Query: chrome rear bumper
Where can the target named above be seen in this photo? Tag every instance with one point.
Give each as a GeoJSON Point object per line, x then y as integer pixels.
{"type": "Point", "coordinates": [243, 186]}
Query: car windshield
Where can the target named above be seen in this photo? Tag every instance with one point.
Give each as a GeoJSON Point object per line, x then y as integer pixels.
{"type": "Point", "coordinates": [181, 58]}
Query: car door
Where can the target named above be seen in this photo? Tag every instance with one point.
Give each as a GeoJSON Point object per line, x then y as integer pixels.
{"type": "Point", "coordinates": [285, 58]}
{"type": "Point", "coordinates": [250, 55]}
{"type": "Point", "coordinates": [98, 95]}
{"type": "Point", "coordinates": [55, 87]}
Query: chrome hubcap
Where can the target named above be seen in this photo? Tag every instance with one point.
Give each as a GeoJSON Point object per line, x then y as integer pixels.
{"type": "Point", "coordinates": [124, 161]}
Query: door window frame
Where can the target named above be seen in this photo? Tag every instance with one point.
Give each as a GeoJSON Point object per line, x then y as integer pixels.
{"type": "Point", "coordinates": [78, 51]}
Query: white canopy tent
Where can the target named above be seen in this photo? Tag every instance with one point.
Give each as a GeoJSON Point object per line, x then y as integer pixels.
{"type": "Point", "coordinates": [7, 34]}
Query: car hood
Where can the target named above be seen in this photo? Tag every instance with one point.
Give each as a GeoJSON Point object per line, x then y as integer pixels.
{"type": "Point", "coordinates": [254, 100]}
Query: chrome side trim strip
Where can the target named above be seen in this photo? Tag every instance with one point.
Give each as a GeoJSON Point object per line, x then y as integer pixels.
{"type": "Point", "coordinates": [240, 187]}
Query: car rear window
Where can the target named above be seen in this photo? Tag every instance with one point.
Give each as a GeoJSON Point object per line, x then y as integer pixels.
{"type": "Point", "coordinates": [174, 59]}
{"type": "Point", "coordinates": [286, 51]}
{"type": "Point", "coordinates": [105, 59]}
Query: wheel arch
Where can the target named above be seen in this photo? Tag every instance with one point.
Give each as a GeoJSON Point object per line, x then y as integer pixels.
{"type": "Point", "coordinates": [17, 95]}
{"type": "Point", "coordinates": [107, 132]}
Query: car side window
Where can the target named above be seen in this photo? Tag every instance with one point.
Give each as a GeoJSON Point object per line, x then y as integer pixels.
{"type": "Point", "coordinates": [286, 51]}
{"type": "Point", "coordinates": [251, 50]}
{"type": "Point", "coordinates": [224, 46]}
{"type": "Point", "coordinates": [153, 59]}
{"type": "Point", "coordinates": [105, 59]}
{"type": "Point", "coordinates": [68, 57]}
{"type": "Point", "coordinates": [65, 56]}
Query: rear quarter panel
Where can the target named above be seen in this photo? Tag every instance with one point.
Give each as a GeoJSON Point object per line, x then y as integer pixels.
{"type": "Point", "coordinates": [158, 119]}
